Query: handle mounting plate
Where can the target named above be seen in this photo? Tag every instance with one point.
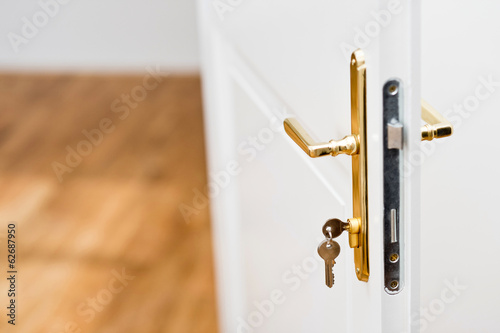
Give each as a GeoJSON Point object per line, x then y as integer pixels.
{"type": "Point", "coordinates": [360, 162]}
{"type": "Point", "coordinates": [354, 145]}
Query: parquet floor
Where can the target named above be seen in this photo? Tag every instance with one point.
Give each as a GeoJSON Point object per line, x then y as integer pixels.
{"type": "Point", "coordinates": [106, 249]}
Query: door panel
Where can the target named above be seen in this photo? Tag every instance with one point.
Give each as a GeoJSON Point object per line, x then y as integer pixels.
{"type": "Point", "coordinates": [277, 240]}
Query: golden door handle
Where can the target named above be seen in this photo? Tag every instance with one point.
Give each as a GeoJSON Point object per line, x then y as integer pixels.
{"type": "Point", "coordinates": [349, 145]}
{"type": "Point", "coordinates": [355, 146]}
{"type": "Point", "coordinates": [437, 126]}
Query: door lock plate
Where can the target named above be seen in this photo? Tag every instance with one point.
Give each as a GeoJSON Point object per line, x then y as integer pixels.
{"type": "Point", "coordinates": [360, 162]}
{"type": "Point", "coordinates": [354, 145]}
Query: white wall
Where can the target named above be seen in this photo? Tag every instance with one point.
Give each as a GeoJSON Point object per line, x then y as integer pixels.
{"type": "Point", "coordinates": [95, 35]}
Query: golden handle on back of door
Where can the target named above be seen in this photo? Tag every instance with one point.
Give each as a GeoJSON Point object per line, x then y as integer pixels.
{"type": "Point", "coordinates": [437, 126]}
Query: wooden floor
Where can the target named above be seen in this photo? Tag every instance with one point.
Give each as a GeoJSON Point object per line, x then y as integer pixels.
{"type": "Point", "coordinates": [116, 213]}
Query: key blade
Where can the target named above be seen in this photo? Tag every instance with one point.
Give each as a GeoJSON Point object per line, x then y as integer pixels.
{"type": "Point", "coordinates": [329, 274]}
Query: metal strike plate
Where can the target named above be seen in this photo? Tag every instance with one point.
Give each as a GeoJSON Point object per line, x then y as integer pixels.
{"type": "Point", "coordinates": [393, 156]}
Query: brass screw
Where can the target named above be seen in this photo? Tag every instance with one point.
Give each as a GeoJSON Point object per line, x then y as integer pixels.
{"type": "Point", "coordinates": [394, 284]}
{"type": "Point", "coordinates": [394, 257]}
{"type": "Point", "coordinates": [393, 89]}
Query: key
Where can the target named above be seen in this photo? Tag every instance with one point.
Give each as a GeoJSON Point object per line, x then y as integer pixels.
{"type": "Point", "coordinates": [329, 250]}
{"type": "Point", "coordinates": [333, 228]}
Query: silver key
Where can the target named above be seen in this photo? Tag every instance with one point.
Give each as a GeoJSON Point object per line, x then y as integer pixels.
{"type": "Point", "coordinates": [329, 250]}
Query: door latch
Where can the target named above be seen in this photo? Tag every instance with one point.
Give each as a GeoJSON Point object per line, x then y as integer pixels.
{"type": "Point", "coordinates": [393, 156]}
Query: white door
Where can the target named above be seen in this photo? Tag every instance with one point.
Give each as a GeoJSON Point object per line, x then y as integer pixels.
{"type": "Point", "coordinates": [267, 60]}
{"type": "Point", "coordinates": [460, 177]}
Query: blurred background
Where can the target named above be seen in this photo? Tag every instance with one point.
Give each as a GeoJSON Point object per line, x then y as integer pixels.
{"type": "Point", "coordinates": [100, 100]}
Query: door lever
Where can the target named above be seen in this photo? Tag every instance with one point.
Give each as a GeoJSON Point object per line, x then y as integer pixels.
{"type": "Point", "coordinates": [437, 126]}
{"type": "Point", "coordinates": [349, 145]}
